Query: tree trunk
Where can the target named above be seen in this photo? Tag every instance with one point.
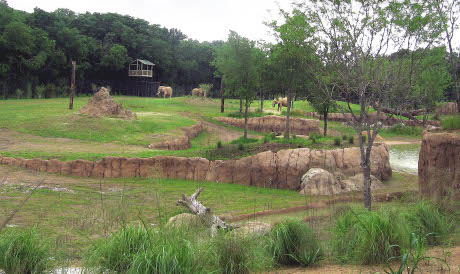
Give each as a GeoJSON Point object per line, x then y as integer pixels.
{"type": "Point", "coordinates": [204, 213]}
{"type": "Point", "coordinates": [246, 119]}
{"type": "Point", "coordinates": [72, 85]}
{"type": "Point", "coordinates": [288, 120]}
{"type": "Point", "coordinates": [325, 122]}
{"type": "Point", "coordinates": [241, 105]}
{"type": "Point", "coordinates": [367, 186]}
{"type": "Point", "coordinates": [222, 97]}
{"type": "Point", "coordinates": [261, 101]}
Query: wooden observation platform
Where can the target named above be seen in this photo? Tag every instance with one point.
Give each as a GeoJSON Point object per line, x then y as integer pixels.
{"type": "Point", "coordinates": [141, 68]}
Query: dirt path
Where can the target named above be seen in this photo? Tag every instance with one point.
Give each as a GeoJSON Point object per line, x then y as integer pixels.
{"type": "Point", "coordinates": [15, 141]}
{"type": "Point", "coordinates": [432, 266]}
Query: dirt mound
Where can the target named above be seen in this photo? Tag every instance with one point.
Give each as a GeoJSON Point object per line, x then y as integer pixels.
{"type": "Point", "coordinates": [183, 142]}
{"type": "Point", "coordinates": [102, 104]}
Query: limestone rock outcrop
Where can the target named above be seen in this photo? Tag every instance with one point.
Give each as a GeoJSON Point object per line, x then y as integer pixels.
{"type": "Point", "coordinates": [102, 104]}
{"type": "Point", "coordinates": [447, 108]}
{"type": "Point", "coordinates": [439, 166]}
{"type": "Point", "coordinates": [318, 181]}
{"type": "Point", "coordinates": [272, 123]}
{"type": "Point", "coordinates": [182, 142]}
{"type": "Point", "coordinates": [282, 169]}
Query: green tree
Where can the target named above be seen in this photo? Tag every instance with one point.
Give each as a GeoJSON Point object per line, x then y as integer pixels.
{"type": "Point", "coordinates": [290, 57]}
{"type": "Point", "coordinates": [117, 58]}
{"type": "Point", "coordinates": [238, 62]}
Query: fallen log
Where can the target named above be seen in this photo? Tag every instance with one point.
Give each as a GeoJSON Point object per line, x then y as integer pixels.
{"type": "Point", "coordinates": [408, 114]}
{"type": "Point", "coordinates": [210, 220]}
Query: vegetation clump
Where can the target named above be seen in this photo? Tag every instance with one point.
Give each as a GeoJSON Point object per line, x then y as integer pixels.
{"type": "Point", "coordinates": [24, 251]}
{"type": "Point", "coordinates": [452, 122]}
{"type": "Point", "coordinates": [293, 242]}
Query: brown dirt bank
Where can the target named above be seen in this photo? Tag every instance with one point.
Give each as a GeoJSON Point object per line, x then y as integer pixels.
{"type": "Point", "coordinates": [439, 166]}
{"type": "Point", "coordinates": [282, 169]}
{"type": "Point", "coordinates": [182, 142]}
{"type": "Point", "coordinates": [272, 123]}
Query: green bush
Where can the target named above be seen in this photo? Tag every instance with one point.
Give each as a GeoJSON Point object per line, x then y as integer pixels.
{"type": "Point", "coordinates": [19, 93]}
{"type": "Point", "coordinates": [401, 129]}
{"type": "Point", "coordinates": [40, 91]}
{"type": "Point", "coordinates": [337, 141]}
{"type": "Point", "coordinates": [369, 237]}
{"type": "Point", "coordinates": [240, 146]}
{"type": "Point", "coordinates": [50, 91]}
{"type": "Point", "coordinates": [272, 136]}
{"type": "Point", "coordinates": [452, 122]}
{"type": "Point", "coordinates": [344, 137]}
{"type": "Point", "coordinates": [294, 136]}
{"type": "Point", "coordinates": [117, 252]}
{"type": "Point", "coordinates": [351, 140]}
{"type": "Point", "coordinates": [242, 140]}
{"type": "Point", "coordinates": [294, 242]}
{"type": "Point", "coordinates": [24, 251]}
{"type": "Point", "coordinates": [219, 144]}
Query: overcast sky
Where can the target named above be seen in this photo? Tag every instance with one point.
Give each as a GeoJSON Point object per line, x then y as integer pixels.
{"type": "Point", "coordinates": [203, 20]}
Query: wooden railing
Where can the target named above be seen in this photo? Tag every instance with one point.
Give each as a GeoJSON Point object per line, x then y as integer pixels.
{"type": "Point", "coordinates": [142, 73]}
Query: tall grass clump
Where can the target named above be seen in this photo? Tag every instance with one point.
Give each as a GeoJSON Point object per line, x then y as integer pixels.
{"type": "Point", "coordinates": [452, 122]}
{"type": "Point", "coordinates": [428, 221]}
{"type": "Point", "coordinates": [238, 253]}
{"type": "Point", "coordinates": [369, 237]}
{"type": "Point", "coordinates": [24, 251]}
{"type": "Point", "coordinates": [401, 129]}
{"type": "Point", "coordinates": [117, 252]}
{"type": "Point", "coordinates": [293, 242]}
{"type": "Point", "coordinates": [173, 250]}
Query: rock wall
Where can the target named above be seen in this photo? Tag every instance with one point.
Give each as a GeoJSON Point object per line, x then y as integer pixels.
{"type": "Point", "coordinates": [447, 108]}
{"type": "Point", "coordinates": [272, 123]}
{"type": "Point", "coordinates": [439, 166]}
{"type": "Point", "coordinates": [347, 117]}
{"type": "Point", "coordinates": [282, 169]}
{"type": "Point", "coordinates": [182, 142]}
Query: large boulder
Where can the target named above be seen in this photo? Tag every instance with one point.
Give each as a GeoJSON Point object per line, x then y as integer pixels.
{"type": "Point", "coordinates": [186, 220]}
{"type": "Point", "coordinates": [102, 104]}
{"type": "Point", "coordinates": [356, 183]}
{"type": "Point", "coordinates": [447, 108]}
{"type": "Point", "coordinates": [318, 181]}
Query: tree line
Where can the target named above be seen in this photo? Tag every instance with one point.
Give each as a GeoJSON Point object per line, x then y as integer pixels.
{"type": "Point", "coordinates": [36, 50]}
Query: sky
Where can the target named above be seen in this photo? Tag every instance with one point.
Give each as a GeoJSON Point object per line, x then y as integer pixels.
{"type": "Point", "coordinates": [203, 20]}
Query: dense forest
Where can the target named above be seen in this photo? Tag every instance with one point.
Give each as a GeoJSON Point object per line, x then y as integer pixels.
{"type": "Point", "coordinates": [36, 50]}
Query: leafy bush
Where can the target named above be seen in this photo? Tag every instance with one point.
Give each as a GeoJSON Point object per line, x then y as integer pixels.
{"type": "Point", "coordinates": [240, 146]}
{"type": "Point", "coordinates": [452, 122]}
{"type": "Point", "coordinates": [401, 129]}
{"type": "Point", "coordinates": [272, 136]}
{"type": "Point", "coordinates": [337, 141]}
{"type": "Point", "coordinates": [219, 144]}
{"type": "Point", "coordinates": [24, 251]}
{"type": "Point", "coordinates": [40, 91]}
{"type": "Point", "coordinates": [369, 237]}
{"type": "Point", "coordinates": [242, 140]}
{"type": "Point", "coordinates": [19, 93]}
{"type": "Point", "coordinates": [50, 91]}
{"type": "Point", "coordinates": [351, 140]}
{"type": "Point", "coordinates": [344, 137]}
{"type": "Point", "coordinates": [294, 242]}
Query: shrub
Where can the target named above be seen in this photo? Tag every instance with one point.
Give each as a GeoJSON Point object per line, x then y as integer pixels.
{"type": "Point", "coordinates": [240, 146]}
{"type": "Point", "coordinates": [337, 141]}
{"type": "Point", "coordinates": [50, 91]}
{"type": "Point", "coordinates": [369, 237]}
{"type": "Point", "coordinates": [40, 91]}
{"type": "Point", "coordinates": [272, 136]}
{"type": "Point", "coordinates": [401, 129]}
{"type": "Point", "coordinates": [344, 137]}
{"type": "Point", "coordinates": [24, 251]}
{"type": "Point", "coordinates": [242, 140]}
{"type": "Point", "coordinates": [19, 93]}
{"type": "Point", "coordinates": [294, 136]}
{"type": "Point", "coordinates": [351, 140]}
{"type": "Point", "coordinates": [452, 122]}
{"type": "Point", "coordinates": [219, 144]}
{"type": "Point", "coordinates": [364, 138]}
{"type": "Point", "coordinates": [294, 242]}
{"type": "Point", "coordinates": [117, 252]}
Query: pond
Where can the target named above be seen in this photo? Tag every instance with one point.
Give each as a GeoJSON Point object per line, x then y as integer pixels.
{"type": "Point", "coordinates": [404, 158]}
